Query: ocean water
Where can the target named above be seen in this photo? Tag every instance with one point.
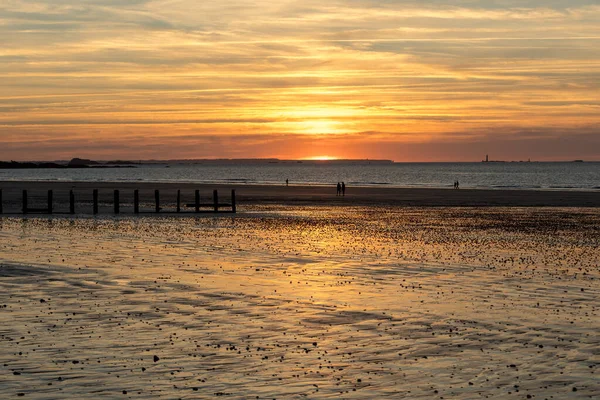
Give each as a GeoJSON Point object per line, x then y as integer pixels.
{"type": "Point", "coordinates": [493, 175]}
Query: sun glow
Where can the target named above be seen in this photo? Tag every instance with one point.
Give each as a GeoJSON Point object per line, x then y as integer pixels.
{"type": "Point", "coordinates": [317, 127]}
{"type": "Point", "coordinates": [274, 79]}
{"type": "Point", "coordinates": [321, 158]}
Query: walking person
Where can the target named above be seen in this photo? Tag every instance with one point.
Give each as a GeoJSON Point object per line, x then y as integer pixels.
{"type": "Point", "coordinates": [343, 189]}
{"type": "Point", "coordinates": [339, 189]}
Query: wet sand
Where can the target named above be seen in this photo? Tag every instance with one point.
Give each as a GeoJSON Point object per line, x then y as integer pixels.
{"type": "Point", "coordinates": [291, 195]}
{"type": "Point", "coordinates": [303, 302]}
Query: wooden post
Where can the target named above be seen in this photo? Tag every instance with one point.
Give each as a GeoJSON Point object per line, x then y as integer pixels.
{"type": "Point", "coordinates": [197, 201]}
{"type": "Point", "coordinates": [136, 201]}
{"type": "Point", "coordinates": [71, 202]}
{"type": "Point", "coordinates": [24, 201]}
{"type": "Point", "coordinates": [157, 200]}
{"type": "Point", "coordinates": [50, 198]}
{"type": "Point", "coordinates": [116, 201]}
{"type": "Point", "coordinates": [178, 200]}
{"type": "Point", "coordinates": [216, 200]}
{"type": "Point", "coordinates": [95, 201]}
{"type": "Point", "coordinates": [233, 201]}
{"type": "Point", "coordinates": [1, 201]}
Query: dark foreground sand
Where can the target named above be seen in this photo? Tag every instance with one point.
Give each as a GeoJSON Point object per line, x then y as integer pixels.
{"type": "Point", "coordinates": [292, 195]}
{"type": "Point", "coordinates": [303, 302]}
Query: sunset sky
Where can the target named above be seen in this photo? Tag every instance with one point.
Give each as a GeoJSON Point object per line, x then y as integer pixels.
{"type": "Point", "coordinates": [391, 79]}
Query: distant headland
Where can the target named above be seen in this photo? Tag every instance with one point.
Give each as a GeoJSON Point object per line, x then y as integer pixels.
{"type": "Point", "coordinates": [73, 163]}
{"type": "Point", "coordinates": [87, 163]}
{"type": "Point", "coordinates": [266, 161]}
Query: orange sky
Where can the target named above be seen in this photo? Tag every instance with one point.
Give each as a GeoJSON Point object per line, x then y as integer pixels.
{"type": "Point", "coordinates": [400, 80]}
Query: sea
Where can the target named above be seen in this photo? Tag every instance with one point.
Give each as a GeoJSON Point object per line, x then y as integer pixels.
{"type": "Point", "coordinates": [481, 175]}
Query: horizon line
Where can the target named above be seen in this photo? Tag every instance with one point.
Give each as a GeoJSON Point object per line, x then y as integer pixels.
{"type": "Point", "coordinates": [296, 160]}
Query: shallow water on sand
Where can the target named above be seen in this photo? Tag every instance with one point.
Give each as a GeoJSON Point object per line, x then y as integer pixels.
{"type": "Point", "coordinates": [311, 303]}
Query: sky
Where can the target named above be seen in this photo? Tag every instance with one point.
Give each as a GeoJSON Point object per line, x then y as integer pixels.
{"type": "Point", "coordinates": [402, 80]}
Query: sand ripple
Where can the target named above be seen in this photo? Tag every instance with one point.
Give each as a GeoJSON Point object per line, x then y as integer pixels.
{"type": "Point", "coordinates": [412, 303]}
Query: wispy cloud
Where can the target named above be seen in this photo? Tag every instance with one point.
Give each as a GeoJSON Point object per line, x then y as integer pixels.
{"type": "Point", "coordinates": [104, 72]}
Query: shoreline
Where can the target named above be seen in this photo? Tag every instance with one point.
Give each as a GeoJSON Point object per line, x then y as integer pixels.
{"type": "Point", "coordinates": [250, 183]}
{"type": "Point", "coordinates": [304, 195]}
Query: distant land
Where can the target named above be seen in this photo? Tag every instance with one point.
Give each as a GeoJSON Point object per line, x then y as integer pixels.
{"type": "Point", "coordinates": [264, 161]}
{"type": "Point", "coordinates": [87, 163]}
{"type": "Point", "coordinates": [74, 163]}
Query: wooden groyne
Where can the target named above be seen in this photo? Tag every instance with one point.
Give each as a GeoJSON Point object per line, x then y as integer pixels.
{"type": "Point", "coordinates": [76, 205]}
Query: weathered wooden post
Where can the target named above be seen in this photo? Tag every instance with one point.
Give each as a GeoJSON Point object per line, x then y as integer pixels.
{"type": "Point", "coordinates": [71, 202]}
{"type": "Point", "coordinates": [216, 200]}
{"type": "Point", "coordinates": [197, 201]}
{"type": "Point", "coordinates": [50, 198]}
{"type": "Point", "coordinates": [136, 201]}
{"type": "Point", "coordinates": [95, 201]}
{"type": "Point", "coordinates": [178, 200]}
{"type": "Point", "coordinates": [1, 201]}
{"type": "Point", "coordinates": [157, 200]}
{"type": "Point", "coordinates": [233, 201]}
{"type": "Point", "coordinates": [24, 201]}
{"type": "Point", "coordinates": [116, 201]}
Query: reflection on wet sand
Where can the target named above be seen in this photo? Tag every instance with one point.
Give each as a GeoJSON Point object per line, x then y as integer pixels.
{"type": "Point", "coordinates": [310, 303]}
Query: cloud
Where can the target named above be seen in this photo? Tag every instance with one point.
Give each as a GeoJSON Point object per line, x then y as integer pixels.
{"type": "Point", "coordinates": [105, 70]}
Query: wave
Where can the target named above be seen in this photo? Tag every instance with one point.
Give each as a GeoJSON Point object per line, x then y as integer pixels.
{"type": "Point", "coordinates": [515, 186]}
{"type": "Point", "coordinates": [360, 183]}
{"type": "Point", "coordinates": [127, 180]}
{"type": "Point", "coordinates": [238, 180]}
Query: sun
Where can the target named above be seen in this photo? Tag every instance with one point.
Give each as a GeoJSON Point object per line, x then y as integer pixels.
{"type": "Point", "coordinates": [321, 158]}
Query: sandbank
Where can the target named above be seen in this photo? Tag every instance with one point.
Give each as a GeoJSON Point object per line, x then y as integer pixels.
{"type": "Point", "coordinates": [248, 195]}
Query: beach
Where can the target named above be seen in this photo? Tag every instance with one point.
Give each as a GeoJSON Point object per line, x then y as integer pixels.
{"type": "Point", "coordinates": [293, 195]}
{"type": "Point", "coordinates": [303, 301]}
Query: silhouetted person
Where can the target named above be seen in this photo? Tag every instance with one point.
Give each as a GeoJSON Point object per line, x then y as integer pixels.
{"type": "Point", "coordinates": [343, 189]}
{"type": "Point", "coordinates": [287, 182]}
{"type": "Point", "coordinates": [339, 189]}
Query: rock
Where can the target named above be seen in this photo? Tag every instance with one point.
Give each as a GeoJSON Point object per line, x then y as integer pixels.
{"type": "Point", "coordinates": [81, 162]}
